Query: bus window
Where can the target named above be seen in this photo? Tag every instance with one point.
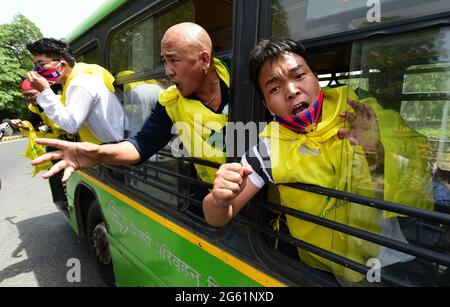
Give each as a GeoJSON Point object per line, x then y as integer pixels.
{"type": "Point", "coordinates": [217, 25]}
{"type": "Point", "coordinates": [311, 19]}
{"type": "Point", "coordinates": [427, 111]}
{"type": "Point", "coordinates": [137, 47]}
{"type": "Point", "coordinates": [135, 50]}
{"type": "Point", "coordinates": [201, 12]}
{"type": "Point", "coordinates": [130, 48]}
{"type": "Point", "coordinates": [138, 98]}
{"type": "Point", "coordinates": [408, 94]}
{"type": "Point", "coordinates": [92, 56]}
{"type": "Point", "coordinates": [183, 13]}
{"type": "Point", "coordinates": [404, 78]}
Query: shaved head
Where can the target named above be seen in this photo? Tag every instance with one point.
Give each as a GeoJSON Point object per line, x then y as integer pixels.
{"type": "Point", "coordinates": [189, 34]}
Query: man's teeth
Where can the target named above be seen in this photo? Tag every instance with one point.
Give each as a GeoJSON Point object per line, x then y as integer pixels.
{"type": "Point", "coordinates": [300, 108]}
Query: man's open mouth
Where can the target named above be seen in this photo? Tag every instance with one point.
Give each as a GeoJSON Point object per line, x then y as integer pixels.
{"type": "Point", "coordinates": [300, 108]}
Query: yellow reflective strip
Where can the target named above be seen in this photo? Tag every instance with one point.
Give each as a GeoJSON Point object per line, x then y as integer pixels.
{"type": "Point", "coordinates": [229, 259]}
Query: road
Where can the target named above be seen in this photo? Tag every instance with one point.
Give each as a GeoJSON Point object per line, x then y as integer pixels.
{"type": "Point", "coordinates": [36, 240]}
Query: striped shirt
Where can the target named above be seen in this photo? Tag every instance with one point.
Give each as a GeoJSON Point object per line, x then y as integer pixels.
{"type": "Point", "coordinates": [258, 157]}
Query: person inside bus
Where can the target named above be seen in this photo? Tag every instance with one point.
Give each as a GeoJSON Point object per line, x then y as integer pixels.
{"type": "Point", "coordinates": [199, 96]}
{"type": "Point", "coordinates": [324, 137]}
{"type": "Point", "coordinates": [441, 182]}
{"type": "Point", "coordinates": [139, 99]}
{"type": "Point", "coordinates": [88, 105]}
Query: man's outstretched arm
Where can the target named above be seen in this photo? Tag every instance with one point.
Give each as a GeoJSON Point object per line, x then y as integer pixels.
{"type": "Point", "coordinates": [75, 156]}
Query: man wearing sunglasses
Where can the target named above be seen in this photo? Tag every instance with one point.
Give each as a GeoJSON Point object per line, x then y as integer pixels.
{"type": "Point", "coordinates": [88, 105]}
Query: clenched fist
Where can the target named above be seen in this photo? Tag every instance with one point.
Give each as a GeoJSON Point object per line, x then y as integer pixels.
{"type": "Point", "coordinates": [229, 183]}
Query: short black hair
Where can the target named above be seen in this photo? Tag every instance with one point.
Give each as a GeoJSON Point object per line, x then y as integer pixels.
{"type": "Point", "coordinates": [52, 48]}
{"type": "Point", "coordinates": [267, 50]}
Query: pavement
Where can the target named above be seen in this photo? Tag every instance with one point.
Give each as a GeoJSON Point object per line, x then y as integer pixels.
{"type": "Point", "coordinates": [38, 247]}
{"type": "Point", "coordinates": [12, 138]}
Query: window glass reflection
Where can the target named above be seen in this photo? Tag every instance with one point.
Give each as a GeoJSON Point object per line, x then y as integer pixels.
{"type": "Point", "coordinates": [304, 19]}
{"type": "Point", "coordinates": [404, 80]}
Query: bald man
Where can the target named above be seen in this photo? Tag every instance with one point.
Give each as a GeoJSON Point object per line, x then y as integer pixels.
{"type": "Point", "coordinates": [200, 94]}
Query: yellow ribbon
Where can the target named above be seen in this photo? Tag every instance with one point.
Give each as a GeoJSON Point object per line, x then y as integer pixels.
{"type": "Point", "coordinates": [34, 150]}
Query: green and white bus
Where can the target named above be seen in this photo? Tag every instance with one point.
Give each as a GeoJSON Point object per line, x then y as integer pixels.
{"type": "Point", "coordinates": [144, 224]}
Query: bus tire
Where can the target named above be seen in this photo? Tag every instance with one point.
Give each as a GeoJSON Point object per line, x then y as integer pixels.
{"type": "Point", "coordinates": [98, 243]}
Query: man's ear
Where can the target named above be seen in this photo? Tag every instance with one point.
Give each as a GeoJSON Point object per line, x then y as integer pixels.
{"type": "Point", "coordinates": [205, 58]}
{"type": "Point", "coordinates": [63, 64]}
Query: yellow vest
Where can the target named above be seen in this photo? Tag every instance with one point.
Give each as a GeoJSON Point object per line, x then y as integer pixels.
{"type": "Point", "coordinates": [56, 130]}
{"type": "Point", "coordinates": [196, 124]}
{"type": "Point", "coordinates": [81, 68]}
{"type": "Point", "coordinates": [329, 162]}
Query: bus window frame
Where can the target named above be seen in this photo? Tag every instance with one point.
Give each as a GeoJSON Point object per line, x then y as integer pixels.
{"type": "Point", "coordinates": [387, 29]}
{"type": "Point", "coordinates": [88, 47]}
{"type": "Point", "coordinates": [156, 8]}
{"type": "Point", "coordinates": [243, 40]}
{"type": "Point", "coordinates": [199, 224]}
{"type": "Point", "coordinates": [263, 251]}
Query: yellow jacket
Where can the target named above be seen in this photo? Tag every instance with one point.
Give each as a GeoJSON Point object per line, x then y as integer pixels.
{"type": "Point", "coordinates": [321, 158]}
{"type": "Point", "coordinates": [196, 124]}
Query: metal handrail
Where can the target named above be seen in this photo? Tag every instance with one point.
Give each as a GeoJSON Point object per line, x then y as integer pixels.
{"type": "Point", "coordinates": [365, 235]}
{"type": "Point", "coordinates": [375, 203]}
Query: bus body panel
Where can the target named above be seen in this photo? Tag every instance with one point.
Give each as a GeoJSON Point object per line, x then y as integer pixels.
{"type": "Point", "coordinates": [149, 250]}
{"type": "Point", "coordinates": [73, 221]}
{"type": "Point", "coordinates": [172, 247]}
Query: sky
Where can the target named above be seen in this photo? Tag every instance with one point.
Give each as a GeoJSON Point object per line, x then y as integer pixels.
{"type": "Point", "coordinates": [55, 18]}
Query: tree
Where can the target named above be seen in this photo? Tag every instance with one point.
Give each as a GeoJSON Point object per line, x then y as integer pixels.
{"type": "Point", "coordinates": [15, 62]}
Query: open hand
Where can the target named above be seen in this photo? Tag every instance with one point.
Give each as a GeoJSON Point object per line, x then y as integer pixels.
{"type": "Point", "coordinates": [364, 129]}
{"type": "Point", "coordinates": [73, 156]}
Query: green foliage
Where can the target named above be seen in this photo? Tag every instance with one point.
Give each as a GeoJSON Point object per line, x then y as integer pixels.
{"type": "Point", "coordinates": [15, 62]}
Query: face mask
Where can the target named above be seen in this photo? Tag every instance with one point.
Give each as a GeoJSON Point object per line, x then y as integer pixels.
{"type": "Point", "coordinates": [307, 121]}
{"type": "Point", "coordinates": [51, 74]}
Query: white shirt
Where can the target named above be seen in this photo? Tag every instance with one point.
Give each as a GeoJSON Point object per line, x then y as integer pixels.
{"type": "Point", "coordinates": [88, 101]}
{"type": "Point", "coordinates": [138, 104]}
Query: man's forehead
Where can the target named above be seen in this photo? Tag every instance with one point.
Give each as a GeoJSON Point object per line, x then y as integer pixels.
{"type": "Point", "coordinates": [287, 61]}
{"type": "Point", "coordinates": [168, 48]}
{"type": "Point", "coordinates": [280, 67]}
{"type": "Point", "coordinates": [178, 50]}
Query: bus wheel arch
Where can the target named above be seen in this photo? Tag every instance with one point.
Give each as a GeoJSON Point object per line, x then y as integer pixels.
{"type": "Point", "coordinates": [97, 239]}
{"type": "Point", "coordinates": [93, 228]}
{"type": "Point", "coordinates": [84, 196]}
